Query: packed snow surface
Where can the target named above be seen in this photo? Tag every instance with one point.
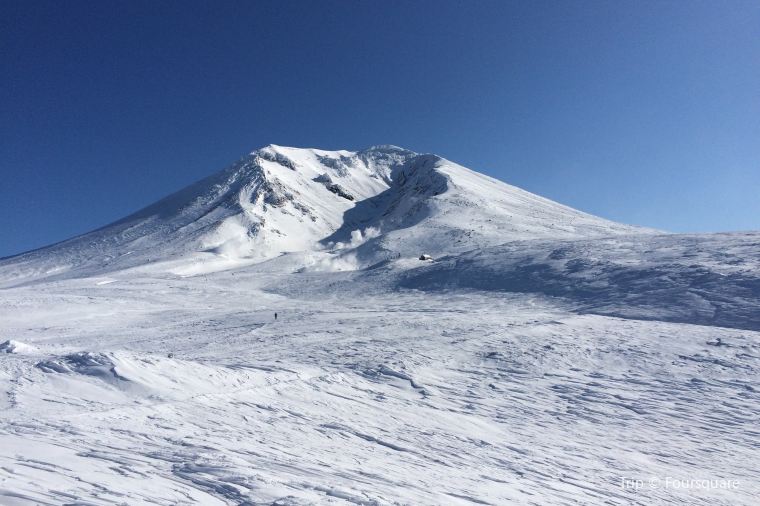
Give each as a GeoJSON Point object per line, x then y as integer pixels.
{"type": "Point", "coordinates": [539, 356]}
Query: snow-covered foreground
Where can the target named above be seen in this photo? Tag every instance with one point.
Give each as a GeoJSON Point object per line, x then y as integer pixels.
{"type": "Point", "coordinates": [156, 389]}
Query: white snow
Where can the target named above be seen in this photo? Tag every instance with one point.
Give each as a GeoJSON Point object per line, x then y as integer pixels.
{"type": "Point", "coordinates": [544, 356]}
{"type": "Point", "coordinates": [11, 346]}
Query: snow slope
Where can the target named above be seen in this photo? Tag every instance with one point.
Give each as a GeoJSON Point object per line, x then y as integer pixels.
{"type": "Point", "coordinates": [542, 357]}
{"type": "Point", "coordinates": [709, 279]}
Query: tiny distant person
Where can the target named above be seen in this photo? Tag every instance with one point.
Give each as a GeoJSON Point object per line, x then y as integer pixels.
{"type": "Point", "coordinates": [275, 316]}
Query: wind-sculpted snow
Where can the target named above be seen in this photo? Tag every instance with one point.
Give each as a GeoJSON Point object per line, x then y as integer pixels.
{"type": "Point", "coordinates": [187, 391]}
{"type": "Point", "coordinates": [704, 279]}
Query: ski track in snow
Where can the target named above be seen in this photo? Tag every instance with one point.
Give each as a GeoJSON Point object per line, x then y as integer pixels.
{"type": "Point", "coordinates": [397, 398]}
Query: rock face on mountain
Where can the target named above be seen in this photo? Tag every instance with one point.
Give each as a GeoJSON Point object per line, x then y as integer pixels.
{"type": "Point", "coordinates": [383, 202]}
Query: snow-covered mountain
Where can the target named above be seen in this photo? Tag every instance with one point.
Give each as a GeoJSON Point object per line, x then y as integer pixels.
{"type": "Point", "coordinates": [280, 199]}
{"type": "Point", "coordinates": [374, 212]}
{"type": "Point", "coordinates": [542, 356]}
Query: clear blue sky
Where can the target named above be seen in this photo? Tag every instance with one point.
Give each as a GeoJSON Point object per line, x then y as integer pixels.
{"type": "Point", "coordinates": [642, 112]}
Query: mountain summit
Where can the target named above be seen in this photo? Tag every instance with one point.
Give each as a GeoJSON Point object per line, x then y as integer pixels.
{"type": "Point", "coordinates": [380, 203]}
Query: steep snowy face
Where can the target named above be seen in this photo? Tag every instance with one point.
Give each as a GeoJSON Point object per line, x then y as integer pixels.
{"type": "Point", "coordinates": [283, 199]}
{"type": "Point", "coordinates": [277, 200]}
{"type": "Point", "coordinates": [438, 207]}
{"type": "Point", "coordinates": [271, 201]}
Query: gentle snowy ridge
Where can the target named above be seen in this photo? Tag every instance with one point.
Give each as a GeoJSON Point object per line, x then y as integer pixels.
{"type": "Point", "coordinates": [710, 279]}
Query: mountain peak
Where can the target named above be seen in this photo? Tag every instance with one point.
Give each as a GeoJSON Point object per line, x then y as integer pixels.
{"type": "Point", "coordinates": [281, 199]}
{"type": "Point", "coordinates": [387, 148]}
